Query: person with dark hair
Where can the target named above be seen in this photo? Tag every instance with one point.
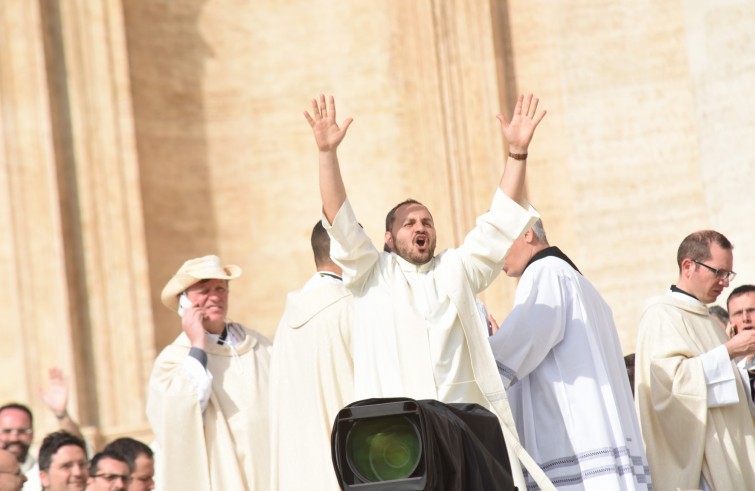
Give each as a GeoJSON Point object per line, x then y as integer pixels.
{"type": "Point", "coordinates": [741, 305]}
{"type": "Point", "coordinates": [140, 459]}
{"type": "Point", "coordinates": [207, 399]}
{"type": "Point", "coordinates": [17, 429]}
{"type": "Point", "coordinates": [311, 375]}
{"type": "Point", "coordinates": [109, 471]}
{"type": "Point", "coordinates": [417, 330]}
{"type": "Point", "coordinates": [63, 464]}
{"type": "Point", "coordinates": [720, 315]}
{"type": "Point", "coordinates": [690, 397]}
{"type": "Point", "coordinates": [560, 359]}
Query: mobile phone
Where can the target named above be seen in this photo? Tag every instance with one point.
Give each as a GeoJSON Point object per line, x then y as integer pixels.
{"type": "Point", "coordinates": [183, 303]}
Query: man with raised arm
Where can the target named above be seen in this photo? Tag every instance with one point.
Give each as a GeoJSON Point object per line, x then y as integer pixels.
{"type": "Point", "coordinates": [416, 326]}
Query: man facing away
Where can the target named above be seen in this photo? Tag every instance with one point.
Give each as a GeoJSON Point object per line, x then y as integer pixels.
{"type": "Point", "coordinates": [691, 401]}
{"type": "Point", "coordinates": [560, 359]}
{"type": "Point", "coordinates": [207, 400]}
{"type": "Point", "coordinates": [311, 375]}
{"type": "Point", "coordinates": [416, 326]}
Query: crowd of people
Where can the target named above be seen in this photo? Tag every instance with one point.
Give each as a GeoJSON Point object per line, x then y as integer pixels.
{"type": "Point", "coordinates": [232, 411]}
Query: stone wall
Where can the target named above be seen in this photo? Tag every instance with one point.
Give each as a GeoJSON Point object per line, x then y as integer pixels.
{"type": "Point", "coordinates": [137, 134]}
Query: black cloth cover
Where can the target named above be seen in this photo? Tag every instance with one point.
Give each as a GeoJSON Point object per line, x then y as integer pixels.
{"type": "Point", "coordinates": [463, 447]}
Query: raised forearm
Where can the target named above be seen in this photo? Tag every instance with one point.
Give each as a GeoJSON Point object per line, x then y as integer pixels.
{"type": "Point", "coordinates": [332, 189]}
{"type": "Point", "coordinates": [512, 179]}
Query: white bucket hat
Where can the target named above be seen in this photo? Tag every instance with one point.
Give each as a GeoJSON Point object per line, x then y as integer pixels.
{"type": "Point", "coordinates": [192, 271]}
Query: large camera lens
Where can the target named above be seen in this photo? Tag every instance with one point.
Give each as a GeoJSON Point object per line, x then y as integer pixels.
{"type": "Point", "coordinates": [383, 448]}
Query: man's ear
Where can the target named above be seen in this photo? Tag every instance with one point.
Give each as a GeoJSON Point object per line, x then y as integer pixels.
{"type": "Point", "coordinates": [389, 241]}
{"type": "Point", "coordinates": [529, 236]}
{"type": "Point", "coordinates": [44, 479]}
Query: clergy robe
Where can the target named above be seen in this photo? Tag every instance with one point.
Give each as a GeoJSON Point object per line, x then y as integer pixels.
{"type": "Point", "coordinates": [559, 356]}
{"type": "Point", "coordinates": [226, 447]}
{"type": "Point", "coordinates": [684, 436]}
{"type": "Point", "coordinates": [311, 379]}
{"type": "Point", "coordinates": [417, 331]}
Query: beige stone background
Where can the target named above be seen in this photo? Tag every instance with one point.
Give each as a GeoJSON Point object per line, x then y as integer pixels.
{"type": "Point", "coordinates": [135, 134]}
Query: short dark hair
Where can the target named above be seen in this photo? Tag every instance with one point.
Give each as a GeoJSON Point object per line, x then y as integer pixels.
{"type": "Point", "coordinates": [20, 407]}
{"type": "Point", "coordinates": [390, 218]}
{"type": "Point", "coordinates": [107, 454]}
{"type": "Point", "coordinates": [320, 241]}
{"type": "Point", "coordinates": [740, 290]}
{"type": "Point", "coordinates": [54, 442]}
{"type": "Point", "coordinates": [129, 449]}
{"type": "Point", "coordinates": [696, 246]}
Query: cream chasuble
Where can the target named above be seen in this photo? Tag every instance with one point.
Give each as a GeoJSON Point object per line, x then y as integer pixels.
{"type": "Point", "coordinates": [684, 436]}
{"type": "Point", "coordinates": [226, 447]}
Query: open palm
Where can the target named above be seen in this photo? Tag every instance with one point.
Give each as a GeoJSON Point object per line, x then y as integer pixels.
{"type": "Point", "coordinates": [328, 135]}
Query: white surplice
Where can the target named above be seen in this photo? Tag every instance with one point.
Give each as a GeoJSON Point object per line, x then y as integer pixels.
{"type": "Point", "coordinates": [559, 356]}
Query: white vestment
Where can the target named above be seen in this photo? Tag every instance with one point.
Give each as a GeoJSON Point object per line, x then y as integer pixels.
{"type": "Point", "coordinates": [559, 355]}
{"type": "Point", "coordinates": [417, 331]}
{"type": "Point", "coordinates": [311, 379]}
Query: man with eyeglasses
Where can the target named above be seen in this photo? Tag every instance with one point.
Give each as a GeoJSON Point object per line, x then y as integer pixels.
{"type": "Point", "coordinates": [692, 402]}
{"type": "Point", "coordinates": [109, 471]}
{"type": "Point", "coordinates": [63, 464]}
{"type": "Point", "coordinates": [11, 477]}
{"type": "Point", "coordinates": [141, 460]}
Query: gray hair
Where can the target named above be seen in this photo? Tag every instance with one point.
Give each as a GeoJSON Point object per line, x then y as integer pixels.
{"type": "Point", "coordinates": [539, 231]}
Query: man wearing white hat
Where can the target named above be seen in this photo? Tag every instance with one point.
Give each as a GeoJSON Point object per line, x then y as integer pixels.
{"type": "Point", "coordinates": [207, 401]}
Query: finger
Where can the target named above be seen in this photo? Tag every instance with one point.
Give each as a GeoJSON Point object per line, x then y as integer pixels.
{"type": "Point", "coordinates": [503, 120]}
{"type": "Point", "coordinates": [526, 104]}
{"type": "Point", "coordinates": [533, 108]}
{"type": "Point", "coordinates": [346, 123]}
{"type": "Point", "coordinates": [332, 107]}
{"type": "Point", "coordinates": [323, 106]}
{"type": "Point", "coordinates": [309, 119]}
{"type": "Point", "coordinates": [540, 117]}
{"type": "Point", "coordinates": [518, 106]}
{"type": "Point", "coordinates": [316, 110]}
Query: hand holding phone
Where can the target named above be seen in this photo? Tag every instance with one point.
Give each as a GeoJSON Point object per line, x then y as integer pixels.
{"type": "Point", "coordinates": [183, 303]}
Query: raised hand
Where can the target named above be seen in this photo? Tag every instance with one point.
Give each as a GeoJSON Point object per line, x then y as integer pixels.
{"type": "Point", "coordinates": [328, 135]}
{"type": "Point", "coordinates": [519, 130]}
{"type": "Point", "coordinates": [56, 396]}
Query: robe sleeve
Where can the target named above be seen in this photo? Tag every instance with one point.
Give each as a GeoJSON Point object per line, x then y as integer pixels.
{"type": "Point", "coordinates": [201, 379]}
{"type": "Point", "coordinates": [350, 247]}
{"type": "Point", "coordinates": [720, 377]}
{"type": "Point", "coordinates": [536, 324]}
{"type": "Point", "coordinates": [487, 243]}
{"type": "Point", "coordinates": [175, 415]}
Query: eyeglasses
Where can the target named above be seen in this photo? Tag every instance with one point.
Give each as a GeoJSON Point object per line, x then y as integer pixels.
{"type": "Point", "coordinates": [114, 477]}
{"type": "Point", "coordinates": [721, 274]}
{"type": "Point", "coordinates": [16, 431]}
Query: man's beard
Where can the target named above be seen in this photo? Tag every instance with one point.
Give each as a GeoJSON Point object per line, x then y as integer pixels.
{"type": "Point", "coordinates": [413, 256]}
{"type": "Point", "coordinates": [19, 449]}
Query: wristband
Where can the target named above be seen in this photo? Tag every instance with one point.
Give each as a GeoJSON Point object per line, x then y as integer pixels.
{"type": "Point", "coordinates": [518, 156]}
